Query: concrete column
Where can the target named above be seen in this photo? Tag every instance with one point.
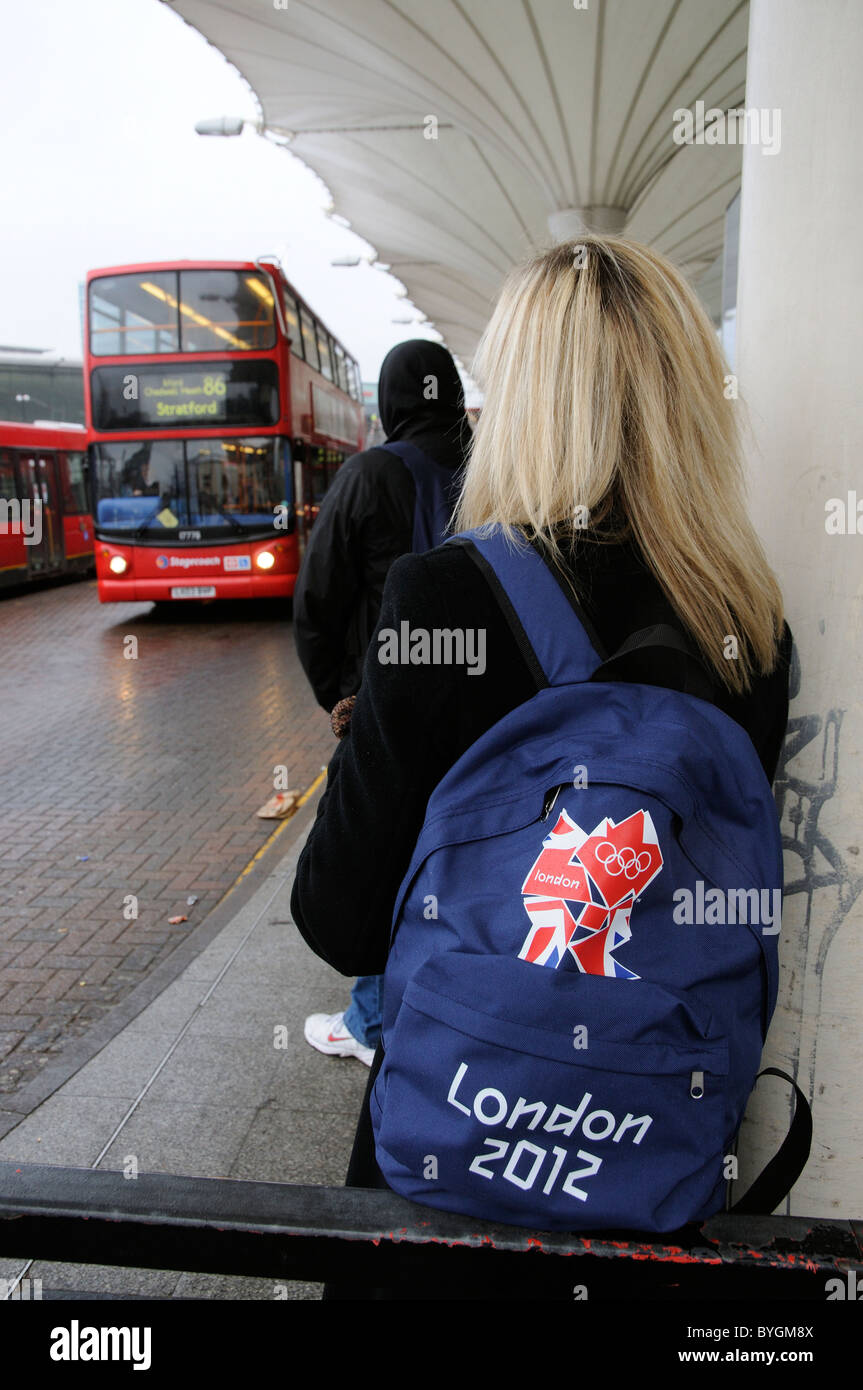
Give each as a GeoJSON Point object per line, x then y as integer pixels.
{"type": "Point", "coordinates": [800, 365]}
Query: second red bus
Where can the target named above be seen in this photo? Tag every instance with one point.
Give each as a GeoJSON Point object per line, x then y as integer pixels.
{"type": "Point", "coordinates": [45, 527]}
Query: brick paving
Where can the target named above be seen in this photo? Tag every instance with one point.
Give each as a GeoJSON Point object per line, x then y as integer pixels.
{"type": "Point", "coordinates": [129, 777]}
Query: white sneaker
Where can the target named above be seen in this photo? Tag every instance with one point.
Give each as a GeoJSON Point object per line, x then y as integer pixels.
{"type": "Point", "coordinates": [327, 1032]}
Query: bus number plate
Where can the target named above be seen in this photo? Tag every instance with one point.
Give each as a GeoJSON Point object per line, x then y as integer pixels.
{"type": "Point", "coordinates": [194, 591]}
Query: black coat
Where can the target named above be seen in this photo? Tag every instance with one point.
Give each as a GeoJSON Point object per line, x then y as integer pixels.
{"type": "Point", "coordinates": [366, 518]}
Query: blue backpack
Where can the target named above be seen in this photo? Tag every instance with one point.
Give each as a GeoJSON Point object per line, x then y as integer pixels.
{"type": "Point", "coordinates": [437, 489]}
{"type": "Point", "coordinates": [584, 955]}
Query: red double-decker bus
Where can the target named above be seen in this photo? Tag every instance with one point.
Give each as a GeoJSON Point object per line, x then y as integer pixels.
{"type": "Point", "coordinates": [219, 408]}
{"type": "Point", "coordinates": [45, 529]}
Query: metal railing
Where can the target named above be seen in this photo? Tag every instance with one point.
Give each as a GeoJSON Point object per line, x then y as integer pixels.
{"type": "Point", "coordinates": [367, 1238]}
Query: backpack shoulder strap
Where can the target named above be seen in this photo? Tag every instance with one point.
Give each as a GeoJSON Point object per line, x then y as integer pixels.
{"type": "Point", "coordinates": [546, 621]}
{"type": "Point", "coordinates": [436, 493]}
{"type": "Point", "coordinates": [558, 639]}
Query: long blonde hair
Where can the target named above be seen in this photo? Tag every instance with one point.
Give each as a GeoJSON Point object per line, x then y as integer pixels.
{"type": "Point", "coordinates": [604, 391]}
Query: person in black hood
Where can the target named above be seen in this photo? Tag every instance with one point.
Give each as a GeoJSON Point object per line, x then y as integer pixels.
{"type": "Point", "coordinates": [367, 517]}
{"type": "Point", "coordinates": [383, 503]}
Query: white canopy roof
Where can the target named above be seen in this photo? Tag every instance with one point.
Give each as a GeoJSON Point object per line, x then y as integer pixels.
{"type": "Point", "coordinates": [539, 107]}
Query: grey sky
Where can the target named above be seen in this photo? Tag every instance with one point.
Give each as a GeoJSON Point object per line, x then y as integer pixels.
{"type": "Point", "coordinates": [101, 166]}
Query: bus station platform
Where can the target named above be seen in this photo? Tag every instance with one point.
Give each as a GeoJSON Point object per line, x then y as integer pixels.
{"type": "Point", "coordinates": [207, 1074]}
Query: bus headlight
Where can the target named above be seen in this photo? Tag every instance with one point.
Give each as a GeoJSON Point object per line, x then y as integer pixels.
{"type": "Point", "coordinates": [265, 559]}
{"type": "Point", "coordinates": [117, 564]}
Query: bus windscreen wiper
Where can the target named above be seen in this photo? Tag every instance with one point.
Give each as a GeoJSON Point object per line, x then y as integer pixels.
{"type": "Point", "coordinates": [231, 520]}
{"type": "Point", "coordinates": [139, 530]}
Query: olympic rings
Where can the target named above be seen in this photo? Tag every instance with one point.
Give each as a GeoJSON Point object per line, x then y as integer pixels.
{"type": "Point", "coordinates": [630, 866]}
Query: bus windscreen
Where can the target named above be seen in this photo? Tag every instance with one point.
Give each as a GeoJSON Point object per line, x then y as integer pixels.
{"type": "Point", "coordinates": [152, 489]}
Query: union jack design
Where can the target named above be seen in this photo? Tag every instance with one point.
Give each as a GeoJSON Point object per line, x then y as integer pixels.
{"type": "Point", "coordinates": [580, 892]}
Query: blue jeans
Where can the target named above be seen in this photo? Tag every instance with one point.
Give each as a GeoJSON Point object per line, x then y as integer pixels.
{"type": "Point", "coordinates": [363, 1016]}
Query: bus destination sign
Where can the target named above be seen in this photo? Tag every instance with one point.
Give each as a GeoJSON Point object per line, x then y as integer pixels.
{"type": "Point", "coordinates": [150, 396]}
{"type": "Point", "coordinates": [185, 396]}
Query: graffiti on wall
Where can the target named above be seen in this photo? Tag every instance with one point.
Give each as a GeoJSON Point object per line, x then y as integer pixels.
{"type": "Point", "coordinates": [814, 867]}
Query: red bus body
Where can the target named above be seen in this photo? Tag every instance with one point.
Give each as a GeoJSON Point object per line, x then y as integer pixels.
{"type": "Point", "coordinates": [219, 408]}
{"type": "Point", "coordinates": [45, 527]}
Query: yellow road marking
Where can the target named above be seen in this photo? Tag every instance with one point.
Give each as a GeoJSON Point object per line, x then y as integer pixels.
{"type": "Point", "coordinates": [309, 792]}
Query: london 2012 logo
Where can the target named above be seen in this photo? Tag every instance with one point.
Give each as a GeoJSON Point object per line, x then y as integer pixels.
{"type": "Point", "coordinates": [580, 893]}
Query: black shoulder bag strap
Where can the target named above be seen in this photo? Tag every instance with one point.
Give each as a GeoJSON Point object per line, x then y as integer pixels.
{"type": "Point", "coordinates": [777, 1179]}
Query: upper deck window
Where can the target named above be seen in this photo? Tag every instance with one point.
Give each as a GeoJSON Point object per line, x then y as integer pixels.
{"type": "Point", "coordinates": [292, 322]}
{"type": "Point", "coordinates": [324, 353]}
{"type": "Point", "coordinates": [225, 310]}
{"type": "Point", "coordinates": [341, 367]}
{"type": "Point", "coordinates": [181, 311]}
{"type": "Point", "coordinates": [134, 314]}
{"type": "Point", "coordinates": [309, 339]}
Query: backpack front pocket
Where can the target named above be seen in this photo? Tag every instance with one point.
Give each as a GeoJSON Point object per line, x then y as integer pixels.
{"type": "Point", "coordinates": [552, 1099]}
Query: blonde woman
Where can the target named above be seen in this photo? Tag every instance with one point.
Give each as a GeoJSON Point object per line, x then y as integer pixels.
{"type": "Point", "coordinates": [606, 439]}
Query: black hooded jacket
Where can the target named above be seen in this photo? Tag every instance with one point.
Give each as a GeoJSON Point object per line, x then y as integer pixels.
{"type": "Point", "coordinates": [366, 518]}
